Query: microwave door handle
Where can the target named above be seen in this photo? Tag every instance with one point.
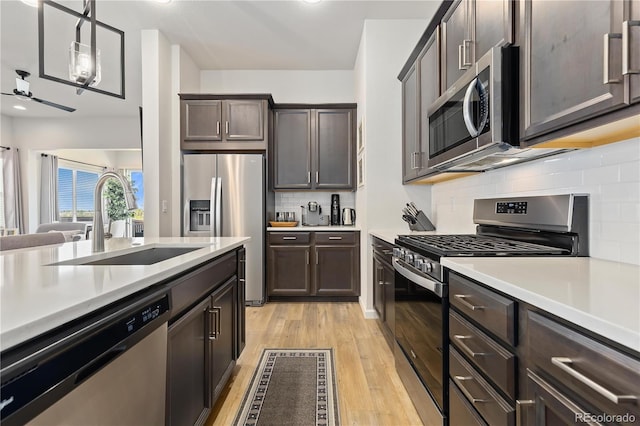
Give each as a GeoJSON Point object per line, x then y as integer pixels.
{"type": "Point", "coordinates": [467, 107]}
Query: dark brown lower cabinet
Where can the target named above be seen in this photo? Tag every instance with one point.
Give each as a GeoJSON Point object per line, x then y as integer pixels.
{"type": "Point", "coordinates": [384, 287]}
{"type": "Point", "coordinates": [313, 264]}
{"type": "Point", "coordinates": [203, 340]}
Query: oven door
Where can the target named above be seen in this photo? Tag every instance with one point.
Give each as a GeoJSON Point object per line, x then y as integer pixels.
{"type": "Point", "coordinates": [421, 328]}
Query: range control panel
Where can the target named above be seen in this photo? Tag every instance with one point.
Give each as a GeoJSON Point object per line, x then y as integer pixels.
{"type": "Point", "coordinates": [511, 207]}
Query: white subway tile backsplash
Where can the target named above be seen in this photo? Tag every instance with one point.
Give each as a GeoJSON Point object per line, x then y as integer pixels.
{"type": "Point", "coordinates": [609, 174]}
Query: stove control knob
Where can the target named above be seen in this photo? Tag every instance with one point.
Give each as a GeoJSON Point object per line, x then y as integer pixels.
{"type": "Point", "coordinates": [398, 252]}
{"type": "Point", "coordinates": [408, 257]}
{"type": "Point", "coordinates": [428, 267]}
{"type": "Point", "coordinates": [418, 263]}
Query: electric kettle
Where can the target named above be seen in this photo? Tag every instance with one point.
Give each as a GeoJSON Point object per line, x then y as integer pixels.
{"type": "Point", "coordinates": [348, 216]}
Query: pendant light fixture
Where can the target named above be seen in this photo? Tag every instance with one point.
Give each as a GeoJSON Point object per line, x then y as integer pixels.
{"type": "Point", "coordinates": [84, 63]}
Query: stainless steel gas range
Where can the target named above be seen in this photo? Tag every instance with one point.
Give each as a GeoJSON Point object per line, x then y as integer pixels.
{"type": "Point", "coordinates": [555, 225]}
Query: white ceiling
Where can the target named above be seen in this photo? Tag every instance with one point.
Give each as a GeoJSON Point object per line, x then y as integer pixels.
{"type": "Point", "coordinates": [237, 34]}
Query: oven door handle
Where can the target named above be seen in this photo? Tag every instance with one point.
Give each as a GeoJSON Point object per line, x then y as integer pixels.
{"type": "Point", "coordinates": [433, 286]}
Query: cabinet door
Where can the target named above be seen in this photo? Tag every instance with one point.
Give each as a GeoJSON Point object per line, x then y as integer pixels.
{"type": "Point", "coordinates": [565, 63]}
{"type": "Point", "coordinates": [493, 25]}
{"type": "Point", "coordinates": [410, 120]}
{"type": "Point", "coordinates": [389, 298]}
{"type": "Point", "coordinates": [188, 389]}
{"type": "Point", "coordinates": [292, 146]}
{"type": "Point", "coordinates": [378, 287]}
{"type": "Point", "coordinates": [456, 40]}
{"type": "Point", "coordinates": [221, 335]}
{"type": "Point", "coordinates": [632, 32]}
{"type": "Point", "coordinates": [244, 120]}
{"type": "Point", "coordinates": [241, 303]}
{"type": "Point", "coordinates": [334, 149]}
{"type": "Point", "coordinates": [337, 271]}
{"type": "Point", "coordinates": [429, 65]}
{"type": "Point", "coordinates": [288, 271]}
{"type": "Point", "coordinates": [201, 120]}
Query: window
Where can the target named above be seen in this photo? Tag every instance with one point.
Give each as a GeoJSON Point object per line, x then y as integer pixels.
{"type": "Point", "coordinates": [137, 183]}
{"type": "Point", "coordinates": [75, 191]}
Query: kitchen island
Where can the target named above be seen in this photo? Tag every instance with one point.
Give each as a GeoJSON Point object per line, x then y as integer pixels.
{"type": "Point", "coordinates": [83, 332]}
{"type": "Point", "coordinates": [37, 296]}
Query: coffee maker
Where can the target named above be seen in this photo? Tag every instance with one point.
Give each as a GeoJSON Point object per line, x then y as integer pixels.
{"type": "Point", "coordinates": [335, 209]}
{"type": "Point", "coordinates": [313, 215]}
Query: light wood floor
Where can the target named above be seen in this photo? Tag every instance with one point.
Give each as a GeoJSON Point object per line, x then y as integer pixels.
{"type": "Point", "coordinates": [369, 390]}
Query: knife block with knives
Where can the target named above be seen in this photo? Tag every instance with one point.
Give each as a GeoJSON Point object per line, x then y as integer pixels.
{"type": "Point", "coordinates": [416, 219]}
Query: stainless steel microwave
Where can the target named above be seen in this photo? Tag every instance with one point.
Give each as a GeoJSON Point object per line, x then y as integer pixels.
{"type": "Point", "coordinates": [477, 117]}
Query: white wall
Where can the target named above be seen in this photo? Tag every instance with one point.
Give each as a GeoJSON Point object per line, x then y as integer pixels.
{"type": "Point", "coordinates": [6, 131]}
{"type": "Point", "coordinates": [384, 48]}
{"type": "Point", "coordinates": [286, 86]}
{"type": "Point", "coordinates": [158, 121]}
{"type": "Point", "coordinates": [610, 174]}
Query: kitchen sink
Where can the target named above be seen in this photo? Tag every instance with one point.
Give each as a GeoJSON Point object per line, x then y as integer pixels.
{"type": "Point", "coordinates": [147, 256]}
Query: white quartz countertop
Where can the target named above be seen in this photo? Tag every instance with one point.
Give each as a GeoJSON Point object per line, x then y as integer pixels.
{"type": "Point", "coordinates": [598, 295]}
{"type": "Point", "coordinates": [299, 228]}
{"type": "Point", "coordinates": [36, 296]}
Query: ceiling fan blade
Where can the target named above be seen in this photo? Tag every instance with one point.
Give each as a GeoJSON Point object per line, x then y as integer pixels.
{"type": "Point", "coordinates": [8, 94]}
{"type": "Point", "coordinates": [53, 104]}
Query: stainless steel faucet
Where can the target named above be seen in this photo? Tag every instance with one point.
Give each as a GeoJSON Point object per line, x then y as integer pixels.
{"type": "Point", "coordinates": [129, 199]}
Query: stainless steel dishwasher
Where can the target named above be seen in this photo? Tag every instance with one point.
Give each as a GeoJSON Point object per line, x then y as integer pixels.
{"type": "Point", "coordinates": [108, 368]}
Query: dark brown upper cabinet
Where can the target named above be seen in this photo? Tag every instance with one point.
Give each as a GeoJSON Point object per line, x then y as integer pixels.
{"type": "Point", "coordinates": [470, 28]}
{"type": "Point", "coordinates": [314, 147]}
{"type": "Point", "coordinates": [215, 122]}
{"type": "Point", "coordinates": [577, 62]}
{"type": "Point", "coordinates": [420, 89]}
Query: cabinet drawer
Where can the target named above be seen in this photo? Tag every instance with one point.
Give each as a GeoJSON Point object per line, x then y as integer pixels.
{"type": "Point", "coordinates": [485, 354]}
{"type": "Point", "coordinates": [460, 411]}
{"type": "Point", "coordinates": [336, 237]}
{"type": "Point", "coordinates": [479, 393]}
{"type": "Point", "coordinates": [293, 238]}
{"type": "Point", "coordinates": [490, 310]}
{"type": "Point", "coordinates": [382, 249]}
{"type": "Point", "coordinates": [606, 378]}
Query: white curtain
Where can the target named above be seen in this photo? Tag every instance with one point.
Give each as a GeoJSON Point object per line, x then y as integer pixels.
{"type": "Point", "coordinates": [49, 189]}
{"type": "Point", "coordinates": [12, 189]}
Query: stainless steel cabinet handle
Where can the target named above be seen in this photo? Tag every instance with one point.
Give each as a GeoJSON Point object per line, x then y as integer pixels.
{"type": "Point", "coordinates": [306, 253]}
{"type": "Point", "coordinates": [226, 127]}
{"type": "Point", "coordinates": [460, 340]}
{"type": "Point", "coordinates": [217, 127]}
{"type": "Point", "coordinates": [607, 59]}
{"type": "Point", "coordinates": [462, 297]}
{"type": "Point", "coordinates": [218, 315]}
{"type": "Point", "coordinates": [335, 238]}
{"type": "Point", "coordinates": [213, 315]}
{"type": "Point", "coordinates": [459, 380]}
{"type": "Point", "coordinates": [463, 52]}
{"type": "Point", "coordinates": [563, 364]}
{"type": "Point", "coordinates": [460, 55]}
{"type": "Point", "coordinates": [316, 256]}
{"type": "Point", "coordinates": [308, 177]}
{"type": "Point", "coordinates": [289, 238]}
{"type": "Point", "coordinates": [519, 405]}
{"type": "Point", "coordinates": [379, 272]}
{"type": "Point", "coordinates": [317, 177]}
{"type": "Point", "coordinates": [626, 48]}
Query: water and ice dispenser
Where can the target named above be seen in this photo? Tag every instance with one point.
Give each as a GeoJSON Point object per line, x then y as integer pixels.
{"type": "Point", "coordinates": [200, 215]}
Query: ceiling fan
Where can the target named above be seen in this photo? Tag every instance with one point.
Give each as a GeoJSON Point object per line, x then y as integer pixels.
{"type": "Point", "coordinates": [22, 92]}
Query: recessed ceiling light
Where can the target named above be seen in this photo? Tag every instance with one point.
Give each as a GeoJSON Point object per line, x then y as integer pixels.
{"type": "Point", "coordinates": [312, 1]}
{"type": "Point", "coordinates": [20, 107]}
{"type": "Point", "coordinates": [162, 1]}
{"type": "Point", "coordinates": [32, 3]}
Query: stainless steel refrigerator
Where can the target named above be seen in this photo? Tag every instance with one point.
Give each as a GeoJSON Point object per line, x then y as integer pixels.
{"type": "Point", "coordinates": [223, 195]}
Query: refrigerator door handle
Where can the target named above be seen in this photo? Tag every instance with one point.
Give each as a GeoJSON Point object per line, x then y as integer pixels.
{"type": "Point", "coordinates": [213, 205]}
{"type": "Point", "coordinates": [218, 208]}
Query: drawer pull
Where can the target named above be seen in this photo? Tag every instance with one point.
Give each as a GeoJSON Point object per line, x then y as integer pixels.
{"type": "Point", "coordinates": [460, 339]}
{"type": "Point", "coordinates": [289, 238]}
{"type": "Point", "coordinates": [519, 405]}
{"type": "Point", "coordinates": [562, 363]}
{"type": "Point", "coordinates": [335, 238]}
{"type": "Point", "coordinates": [459, 380]}
{"type": "Point", "coordinates": [462, 297]}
